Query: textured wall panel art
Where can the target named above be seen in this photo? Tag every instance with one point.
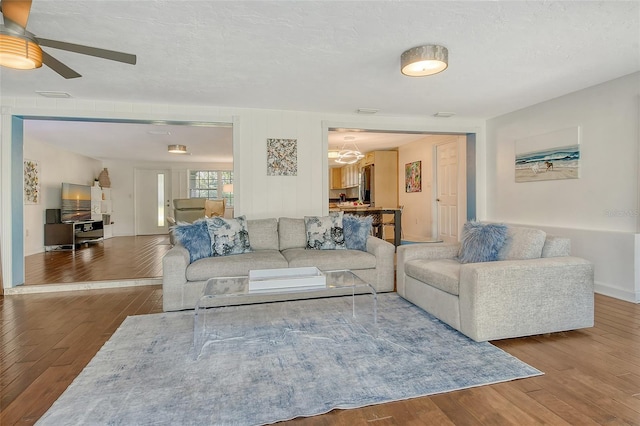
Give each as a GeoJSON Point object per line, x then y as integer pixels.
{"type": "Point", "coordinates": [31, 182]}
{"type": "Point", "coordinates": [550, 156]}
{"type": "Point", "coordinates": [282, 157]}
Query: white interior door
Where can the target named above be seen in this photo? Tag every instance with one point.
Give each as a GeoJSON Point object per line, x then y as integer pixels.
{"type": "Point", "coordinates": [447, 191]}
{"type": "Point", "coordinates": [152, 201]}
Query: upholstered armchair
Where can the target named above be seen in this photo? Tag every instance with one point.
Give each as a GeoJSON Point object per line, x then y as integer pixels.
{"type": "Point", "coordinates": [215, 207]}
{"type": "Point", "coordinates": [188, 209]}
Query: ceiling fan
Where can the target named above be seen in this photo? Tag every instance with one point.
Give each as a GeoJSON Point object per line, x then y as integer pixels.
{"type": "Point", "coordinates": [20, 49]}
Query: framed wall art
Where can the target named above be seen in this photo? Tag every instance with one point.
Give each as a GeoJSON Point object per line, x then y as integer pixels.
{"type": "Point", "coordinates": [31, 182]}
{"type": "Point", "coordinates": [282, 157]}
{"type": "Point", "coordinates": [551, 156]}
{"type": "Point", "coordinates": [413, 176]}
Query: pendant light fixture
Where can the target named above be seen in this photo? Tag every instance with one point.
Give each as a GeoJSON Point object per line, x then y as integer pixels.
{"type": "Point", "coordinates": [349, 155]}
{"type": "Point", "coordinates": [425, 60]}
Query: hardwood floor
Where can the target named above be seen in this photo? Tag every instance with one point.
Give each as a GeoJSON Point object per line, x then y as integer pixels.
{"type": "Point", "coordinates": [592, 376]}
{"type": "Point", "coordinates": [118, 258]}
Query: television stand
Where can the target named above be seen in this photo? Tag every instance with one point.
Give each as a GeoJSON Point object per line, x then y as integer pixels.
{"type": "Point", "coordinates": [72, 234]}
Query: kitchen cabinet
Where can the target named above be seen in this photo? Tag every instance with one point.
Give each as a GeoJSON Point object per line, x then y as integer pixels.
{"type": "Point", "coordinates": [385, 178]}
{"type": "Point", "coordinates": [344, 177]}
{"type": "Point", "coordinates": [369, 158]}
{"type": "Point", "coordinates": [335, 178]}
{"type": "Point", "coordinates": [350, 176]}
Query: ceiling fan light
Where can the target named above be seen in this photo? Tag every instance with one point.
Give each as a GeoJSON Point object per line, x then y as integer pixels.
{"type": "Point", "coordinates": [177, 149]}
{"type": "Point", "coordinates": [19, 52]}
{"type": "Point", "coordinates": [424, 60]}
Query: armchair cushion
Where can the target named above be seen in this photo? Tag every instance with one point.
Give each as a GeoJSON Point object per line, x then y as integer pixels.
{"type": "Point", "coordinates": [522, 243]}
{"type": "Point", "coordinates": [443, 274]}
{"type": "Point", "coordinates": [555, 246]}
{"type": "Point", "coordinates": [481, 242]}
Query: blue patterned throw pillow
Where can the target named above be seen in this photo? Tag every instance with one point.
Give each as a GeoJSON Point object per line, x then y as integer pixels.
{"type": "Point", "coordinates": [324, 233]}
{"type": "Point", "coordinates": [195, 238]}
{"type": "Point", "coordinates": [356, 231]}
{"type": "Point", "coordinates": [228, 236]}
{"type": "Point", "coordinates": [481, 242]}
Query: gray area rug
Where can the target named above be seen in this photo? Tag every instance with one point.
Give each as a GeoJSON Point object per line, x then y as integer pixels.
{"type": "Point", "coordinates": [284, 360]}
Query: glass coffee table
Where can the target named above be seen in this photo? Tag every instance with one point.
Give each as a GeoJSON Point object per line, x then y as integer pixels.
{"type": "Point", "coordinates": [214, 312]}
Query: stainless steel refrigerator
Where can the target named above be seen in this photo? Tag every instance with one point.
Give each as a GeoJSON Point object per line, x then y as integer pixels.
{"type": "Point", "coordinates": [367, 193]}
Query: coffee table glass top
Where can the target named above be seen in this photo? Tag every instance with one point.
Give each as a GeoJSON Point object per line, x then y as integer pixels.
{"type": "Point", "coordinates": [221, 292]}
{"type": "Point", "coordinates": [239, 286]}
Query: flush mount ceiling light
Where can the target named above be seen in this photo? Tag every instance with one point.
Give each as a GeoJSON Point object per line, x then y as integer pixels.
{"type": "Point", "coordinates": [177, 149]}
{"type": "Point", "coordinates": [425, 60]}
{"type": "Point", "coordinates": [19, 51]}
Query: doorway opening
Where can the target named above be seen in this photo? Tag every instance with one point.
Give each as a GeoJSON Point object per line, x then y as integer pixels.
{"type": "Point", "coordinates": [424, 216]}
{"type": "Point", "coordinates": [76, 149]}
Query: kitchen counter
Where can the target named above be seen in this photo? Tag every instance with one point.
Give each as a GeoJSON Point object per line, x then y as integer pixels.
{"type": "Point", "coordinates": [367, 210]}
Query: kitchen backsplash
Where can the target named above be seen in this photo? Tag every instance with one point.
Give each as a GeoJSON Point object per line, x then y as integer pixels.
{"type": "Point", "coordinates": [351, 193]}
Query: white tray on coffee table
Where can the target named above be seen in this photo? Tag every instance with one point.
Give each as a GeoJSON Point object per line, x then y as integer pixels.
{"type": "Point", "coordinates": [277, 280]}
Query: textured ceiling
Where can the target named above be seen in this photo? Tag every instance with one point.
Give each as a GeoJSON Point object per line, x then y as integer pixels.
{"type": "Point", "coordinates": [335, 56]}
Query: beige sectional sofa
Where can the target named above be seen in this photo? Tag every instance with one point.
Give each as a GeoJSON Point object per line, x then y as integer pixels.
{"type": "Point", "coordinates": [534, 287]}
{"type": "Point", "coordinates": [275, 243]}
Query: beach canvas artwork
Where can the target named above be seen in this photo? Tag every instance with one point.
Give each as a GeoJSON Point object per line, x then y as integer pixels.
{"type": "Point", "coordinates": [548, 162]}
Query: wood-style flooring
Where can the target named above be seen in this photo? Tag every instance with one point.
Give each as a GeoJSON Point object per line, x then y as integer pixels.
{"type": "Point", "coordinates": [118, 258]}
{"type": "Point", "coordinates": [592, 376]}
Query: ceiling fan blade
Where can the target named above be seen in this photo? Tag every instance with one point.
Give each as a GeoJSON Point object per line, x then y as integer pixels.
{"type": "Point", "coordinates": [58, 66]}
{"type": "Point", "coordinates": [16, 11]}
{"type": "Point", "coordinates": [87, 50]}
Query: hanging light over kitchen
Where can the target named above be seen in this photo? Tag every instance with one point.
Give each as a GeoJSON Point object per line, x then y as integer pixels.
{"type": "Point", "coordinates": [349, 153]}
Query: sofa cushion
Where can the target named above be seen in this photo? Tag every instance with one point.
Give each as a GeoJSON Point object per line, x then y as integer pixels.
{"type": "Point", "coordinates": [235, 265]}
{"type": "Point", "coordinates": [481, 242]}
{"type": "Point", "coordinates": [556, 246]}
{"type": "Point", "coordinates": [324, 232]}
{"type": "Point", "coordinates": [263, 234]}
{"type": "Point", "coordinates": [356, 231]}
{"type": "Point", "coordinates": [328, 260]}
{"type": "Point", "coordinates": [194, 237]}
{"type": "Point", "coordinates": [291, 233]}
{"type": "Point", "coordinates": [522, 243]}
{"type": "Point", "coordinates": [228, 236]}
{"type": "Point", "coordinates": [443, 274]}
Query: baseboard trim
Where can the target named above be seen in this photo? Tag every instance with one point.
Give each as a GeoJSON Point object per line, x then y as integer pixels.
{"type": "Point", "coordinates": [616, 293]}
{"type": "Point", "coordinates": [87, 285]}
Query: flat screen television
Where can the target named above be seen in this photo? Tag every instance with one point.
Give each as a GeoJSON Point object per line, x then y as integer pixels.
{"type": "Point", "coordinates": [76, 202]}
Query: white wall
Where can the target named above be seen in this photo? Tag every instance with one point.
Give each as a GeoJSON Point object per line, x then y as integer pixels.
{"type": "Point", "coordinates": [418, 215]}
{"type": "Point", "coordinates": [600, 209]}
{"type": "Point", "coordinates": [56, 166]}
{"type": "Point", "coordinates": [257, 195]}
